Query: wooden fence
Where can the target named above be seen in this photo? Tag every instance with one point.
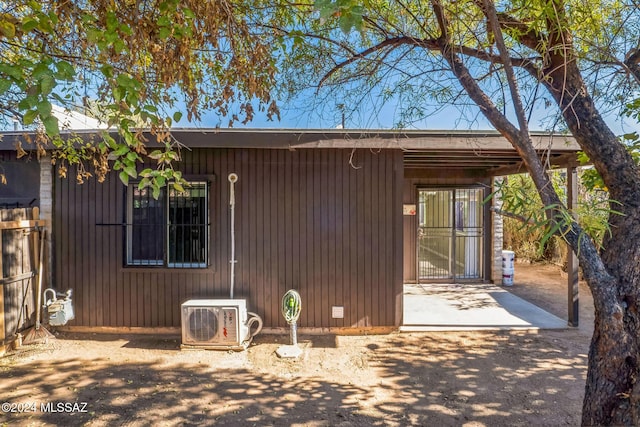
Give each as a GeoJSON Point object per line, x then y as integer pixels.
{"type": "Point", "coordinates": [20, 233]}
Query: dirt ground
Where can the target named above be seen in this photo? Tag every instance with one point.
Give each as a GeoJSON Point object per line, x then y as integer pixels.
{"type": "Point", "coordinates": [514, 378]}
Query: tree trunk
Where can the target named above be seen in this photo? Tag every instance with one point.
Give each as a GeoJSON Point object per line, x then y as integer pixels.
{"type": "Point", "coordinates": [612, 393]}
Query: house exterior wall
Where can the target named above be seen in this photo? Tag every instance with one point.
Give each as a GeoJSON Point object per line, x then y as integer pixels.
{"type": "Point", "coordinates": [305, 219]}
{"type": "Point", "coordinates": [447, 179]}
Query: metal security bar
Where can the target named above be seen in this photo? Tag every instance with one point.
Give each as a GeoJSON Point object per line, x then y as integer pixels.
{"type": "Point", "coordinates": [469, 233]}
{"type": "Point", "coordinates": [450, 234]}
{"type": "Point", "coordinates": [172, 230]}
{"type": "Point", "coordinates": [435, 238]}
{"type": "Point", "coordinates": [187, 227]}
{"type": "Point", "coordinates": [146, 221]}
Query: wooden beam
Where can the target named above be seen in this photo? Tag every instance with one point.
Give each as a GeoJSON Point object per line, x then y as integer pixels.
{"type": "Point", "coordinates": [449, 173]}
{"type": "Point", "coordinates": [557, 160]}
{"type": "Point", "coordinates": [572, 259]}
{"type": "Point", "coordinates": [12, 225]}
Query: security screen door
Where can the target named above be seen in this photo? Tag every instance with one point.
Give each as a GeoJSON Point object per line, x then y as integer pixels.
{"type": "Point", "coordinates": [450, 234]}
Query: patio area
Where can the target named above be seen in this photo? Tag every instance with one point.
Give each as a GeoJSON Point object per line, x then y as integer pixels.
{"type": "Point", "coordinates": [471, 306]}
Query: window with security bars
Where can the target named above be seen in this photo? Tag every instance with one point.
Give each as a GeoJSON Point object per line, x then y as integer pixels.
{"type": "Point", "coordinates": [172, 230]}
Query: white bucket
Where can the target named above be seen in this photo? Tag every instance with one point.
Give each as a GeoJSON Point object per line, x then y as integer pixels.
{"type": "Point", "coordinates": [507, 276]}
{"type": "Point", "coordinates": [508, 260]}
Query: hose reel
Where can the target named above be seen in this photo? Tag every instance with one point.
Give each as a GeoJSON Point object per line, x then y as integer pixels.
{"type": "Point", "coordinates": [291, 307]}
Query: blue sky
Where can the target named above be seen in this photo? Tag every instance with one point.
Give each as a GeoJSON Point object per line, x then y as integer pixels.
{"type": "Point", "coordinates": [448, 118]}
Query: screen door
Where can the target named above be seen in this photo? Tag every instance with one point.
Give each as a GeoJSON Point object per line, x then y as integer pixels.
{"type": "Point", "coordinates": [450, 233]}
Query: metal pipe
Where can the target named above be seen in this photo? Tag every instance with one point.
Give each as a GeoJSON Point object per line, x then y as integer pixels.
{"type": "Point", "coordinates": [294, 333]}
{"type": "Point", "coordinates": [233, 178]}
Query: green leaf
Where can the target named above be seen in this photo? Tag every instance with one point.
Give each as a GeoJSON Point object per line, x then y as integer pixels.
{"type": "Point", "coordinates": [53, 17]}
{"type": "Point", "coordinates": [179, 188]}
{"type": "Point", "coordinates": [41, 69]}
{"type": "Point", "coordinates": [156, 192]}
{"type": "Point", "coordinates": [7, 29]}
{"type": "Point", "coordinates": [35, 5]}
{"type": "Point", "coordinates": [188, 13]}
{"type": "Point", "coordinates": [118, 93]}
{"type": "Point", "coordinates": [44, 22]}
{"type": "Point", "coordinates": [5, 84]}
{"type": "Point", "coordinates": [131, 171]}
{"type": "Point", "coordinates": [88, 18]}
{"type": "Point", "coordinates": [47, 84]}
{"type": "Point", "coordinates": [51, 125]}
{"type": "Point", "coordinates": [155, 154]}
{"type": "Point", "coordinates": [110, 141]}
{"type": "Point", "coordinates": [14, 71]}
{"type": "Point", "coordinates": [65, 70]}
{"type": "Point", "coordinates": [121, 150]}
{"type": "Point", "coordinates": [125, 29]}
{"type": "Point", "coordinates": [112, 21]}
{"type": "Point", "coordinates": [29, 117]}
{"type": "Point", "coordinates": [111, 37]}
{"type": "Point", "coordinates": [124, 177]}
{"type": "Point", "coordinates": [27, 103]}
{"type": "Point", "coordinates": [177, 116]}
{"type": "Point", "coordinates": [123, 80]}
{"type": "Point", "coordinates": [29, 24]}
{"type": "Point", "coordinates": [164, 33]}
{"type": "Point", "coordinates": [44, 108]}
{"type": "Point", "coordinates": [164, 21]}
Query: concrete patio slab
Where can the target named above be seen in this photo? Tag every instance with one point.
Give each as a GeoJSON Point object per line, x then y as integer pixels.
{"type": "Point", "coordinates": [455, 307]}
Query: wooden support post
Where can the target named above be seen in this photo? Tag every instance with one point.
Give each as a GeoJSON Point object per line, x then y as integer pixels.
{"type": "Point", "coordinates": [572, 259]}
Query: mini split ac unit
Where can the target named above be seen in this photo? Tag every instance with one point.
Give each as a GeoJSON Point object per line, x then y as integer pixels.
{"type": "Point", "coordinates": [222, 324]}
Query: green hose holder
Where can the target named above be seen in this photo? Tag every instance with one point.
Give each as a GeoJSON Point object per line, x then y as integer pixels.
{"type": "Point", "coordinates": [291, 307]}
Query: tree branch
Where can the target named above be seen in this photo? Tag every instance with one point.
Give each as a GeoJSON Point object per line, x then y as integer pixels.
{"type": "Point", "coordinates": [489, 109]}
{"type": "Point", "coordinates": [512, 215]}
{"type": "Point", "coordinates": [311, 36]}
{"type": "Point", "coordinates": [386, 43]}
{"type": "Point", "coordinates": [527, 64]}
{"type": "Point", "coordinates": [492, 17]}
{"type": "Point", "coordinates": [632, 62]}
{"type": "Point", "coordinates": [519, 30]}
{"type": "Point", "coordinates": [429, 44]}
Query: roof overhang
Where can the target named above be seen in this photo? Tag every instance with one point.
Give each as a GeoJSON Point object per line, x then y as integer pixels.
{"type": "Point", "coordinates": [481, 152]}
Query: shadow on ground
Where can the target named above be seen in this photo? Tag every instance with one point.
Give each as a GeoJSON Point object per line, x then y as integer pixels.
{"type": "Point", "coordinates": [508, 378]}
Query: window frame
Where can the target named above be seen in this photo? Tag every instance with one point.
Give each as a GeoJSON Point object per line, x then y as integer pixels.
{"type": "Point", "coordinates": [165, 262]}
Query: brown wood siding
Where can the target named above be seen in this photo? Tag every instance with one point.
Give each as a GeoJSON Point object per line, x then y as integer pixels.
{"type": "Point", "coordinates": [305, 219]}
{"type": "Point", "coordinates": [409, 196]}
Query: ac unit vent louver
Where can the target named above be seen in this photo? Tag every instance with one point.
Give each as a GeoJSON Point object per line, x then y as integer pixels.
{"type": "Point", "coordinates": [217, 324]}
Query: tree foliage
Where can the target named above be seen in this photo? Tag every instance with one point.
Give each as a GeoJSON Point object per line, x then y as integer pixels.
{"type": "Point", "coordinates": [393, 53]}
{"type": "Point", "coordinates": [142, 63]}
{"type": "Point", "coordinates": [576, 60]}
{"type": "Point", "coordinates": [524, 228]}
{"type": "Point", "coordinates": [507, 60]}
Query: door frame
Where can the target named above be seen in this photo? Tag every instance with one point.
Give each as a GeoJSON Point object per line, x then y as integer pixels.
{"type": "Point", "coordinates": [485, 238]}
